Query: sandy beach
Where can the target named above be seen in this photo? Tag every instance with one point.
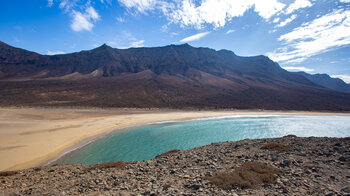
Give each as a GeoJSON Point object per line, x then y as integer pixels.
{"type": "Point", "coordinates": [32, 136]}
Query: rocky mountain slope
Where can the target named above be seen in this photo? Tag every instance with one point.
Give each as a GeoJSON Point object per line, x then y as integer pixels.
{"type": "Point", "coordinates": [326, 81]}
{"type": "Point", "coordinates": [175, 76]}
{"type": "Point", "coordinates": [278, 166]}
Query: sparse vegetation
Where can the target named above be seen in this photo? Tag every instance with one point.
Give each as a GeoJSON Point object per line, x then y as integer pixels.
{"type": "Point", "coordinates": [248, 175]}
{"type": "Point", "coordinates": [117, 165]}
{"type": "Point", "coordinates": [168, 153]}
{"type": "Point", "coordinates": [276, 146]}
{"type": "Point", "coordinates": [8, 173]}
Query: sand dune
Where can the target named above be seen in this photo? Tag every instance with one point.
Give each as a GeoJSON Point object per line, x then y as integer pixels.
{"type": "Point", "coordinates": [32, 136]}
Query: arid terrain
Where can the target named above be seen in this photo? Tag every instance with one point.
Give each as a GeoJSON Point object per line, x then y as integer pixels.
{"type": "Point", "coordinates": [279, 166]}
{"type": "Point", "coordinates": [174, 76]}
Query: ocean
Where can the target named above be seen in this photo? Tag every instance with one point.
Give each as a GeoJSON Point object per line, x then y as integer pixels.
{"type": "Point", "coordinates": [145, 142]}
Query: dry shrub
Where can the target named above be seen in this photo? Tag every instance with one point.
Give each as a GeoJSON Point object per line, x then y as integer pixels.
{"type": "Point", "coordinates": [117, 165]}
{"type": "Point", "coordinates": [248, 175]}
{"type": "Point", "coordinates": [168, 153]}
{"type": "Point", "coordinates": [276, 146]}
{"type": "Point", "coordinates": [290, 135]}
{"type": "Point", "coordinates": [345, 138]}
{"type": "Point", "coordinates": [8, 173]}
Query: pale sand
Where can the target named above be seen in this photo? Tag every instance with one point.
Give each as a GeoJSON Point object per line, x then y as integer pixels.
{"type": "Point", "coordinates": [31, 136]}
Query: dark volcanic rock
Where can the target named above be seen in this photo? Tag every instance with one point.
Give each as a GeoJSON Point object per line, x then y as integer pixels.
{"type": "Point", "coordinates": [187, 172]}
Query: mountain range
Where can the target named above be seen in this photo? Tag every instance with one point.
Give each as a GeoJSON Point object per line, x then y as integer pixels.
{"type": "Point", "coordinates": [174, 76]}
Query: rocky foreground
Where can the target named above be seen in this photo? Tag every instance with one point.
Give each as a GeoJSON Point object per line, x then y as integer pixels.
{"type": "Point", "coordinates": [278, 166]}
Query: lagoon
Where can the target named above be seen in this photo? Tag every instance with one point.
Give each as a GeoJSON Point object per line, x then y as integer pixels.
{"type": "Point", "coordinates": [145, 142]}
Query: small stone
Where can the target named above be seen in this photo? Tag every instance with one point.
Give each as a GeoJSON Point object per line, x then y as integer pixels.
{"type": "Point", "coordinates": [284, 180]}
{"type": "Point", "coordinates": [286, 162]}
{"type": "Point", "coordinates": [195, 187]}
{"type": "Point", "coordinates": [329, 194]}
{"type": "Point", "coordinates": [342, 158]}
{"type": "Point", "coordinates": [345, 190]}
{"type": "Point", "coordinates": [186, 176]}
{"type": "Point", "coordinates": [284, 190]}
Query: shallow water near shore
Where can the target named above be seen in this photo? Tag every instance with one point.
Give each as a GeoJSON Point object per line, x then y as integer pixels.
{"type": "Point", "coordinates": [144, 143]}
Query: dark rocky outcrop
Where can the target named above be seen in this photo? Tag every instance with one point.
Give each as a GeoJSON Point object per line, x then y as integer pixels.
{"type": "Point", "coordinates": [310, 166]}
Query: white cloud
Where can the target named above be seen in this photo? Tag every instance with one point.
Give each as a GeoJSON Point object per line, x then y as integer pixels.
{"type": "Point", "coordinates": [230, 31]}
{"type": "Point", "coordinates": [298, 69]}
{"type": "Point", "coordinates": [80, 22]}
{"type": "Point", "coordinates": [268, 8]}
{"type": "Point", "coordinates": [137, 44]}
{"type": "Point", "coordinates": [323, 34]}
{"type": "Point", "coordinates": [67, 4]}
{"type": "Point", "coordinates": [195, 37]}
{"type": "Point", "coordinates": [345, 78]}
{"type": "Point", "coordinates": [287, 21]}
{"type": "Point", "coordinates": [140, 5]}
{"type": "Point", "coordinates": [218, 12]}
{"type": "Point", "coordinates": [92, 14]}
{"type": "Point", "coordinates": [298, 4]}
{"type": "Point", "coordinates": [63, 3]}
{"type": "Point", "coordinates": [276, 20]}
{"type": "Point", "coordinates": [196, 13]}
{"type": "Point", "coordinates": [49, 3]}
{"type": "Point", "coordinates": [54, 52]}
{"type": "Point", "coordinates": [84, 21]}
{"type": "Point", "coordinates": [83, 14]}
{"type": "Point", "coordinates": [214, 12]}
{"type": "Point", "coordinates": [106, 1]}
{"type": "Point", "coordinates": [120, 19]}
{"type": "Point", "coordinates": [345, 1]}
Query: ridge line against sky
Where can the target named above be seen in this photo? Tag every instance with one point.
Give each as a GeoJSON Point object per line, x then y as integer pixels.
{"type": "Point", "coordinates": [301, 35]}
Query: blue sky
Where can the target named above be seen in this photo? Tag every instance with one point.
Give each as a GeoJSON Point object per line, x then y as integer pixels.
{"type": "Point", "coordinates": [306, 35]}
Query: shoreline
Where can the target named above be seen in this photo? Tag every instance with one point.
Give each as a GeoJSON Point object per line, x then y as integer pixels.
{"type": "Point", "coordinates": [93, 124]}
{"type": "Point", "coordinates": [107, 133]}
{"type": "Point", "coordinates": [94, 138]}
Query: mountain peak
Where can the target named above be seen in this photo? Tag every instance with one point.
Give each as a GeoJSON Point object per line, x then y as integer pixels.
{"type": "Point", "coordinates": [103, 47]}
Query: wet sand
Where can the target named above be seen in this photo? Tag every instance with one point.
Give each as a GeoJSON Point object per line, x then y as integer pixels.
{"type": "Point", "coordinates": [33, 136]}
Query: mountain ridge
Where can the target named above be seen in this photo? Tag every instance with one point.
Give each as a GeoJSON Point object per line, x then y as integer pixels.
{"type": "Point", "coordinates": [175, 76]}
{"type": "Point", "coordinates": [326, 81]}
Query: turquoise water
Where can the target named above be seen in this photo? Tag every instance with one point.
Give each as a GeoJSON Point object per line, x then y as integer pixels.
{"type": "Point", "coordinates": [144, 143]}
